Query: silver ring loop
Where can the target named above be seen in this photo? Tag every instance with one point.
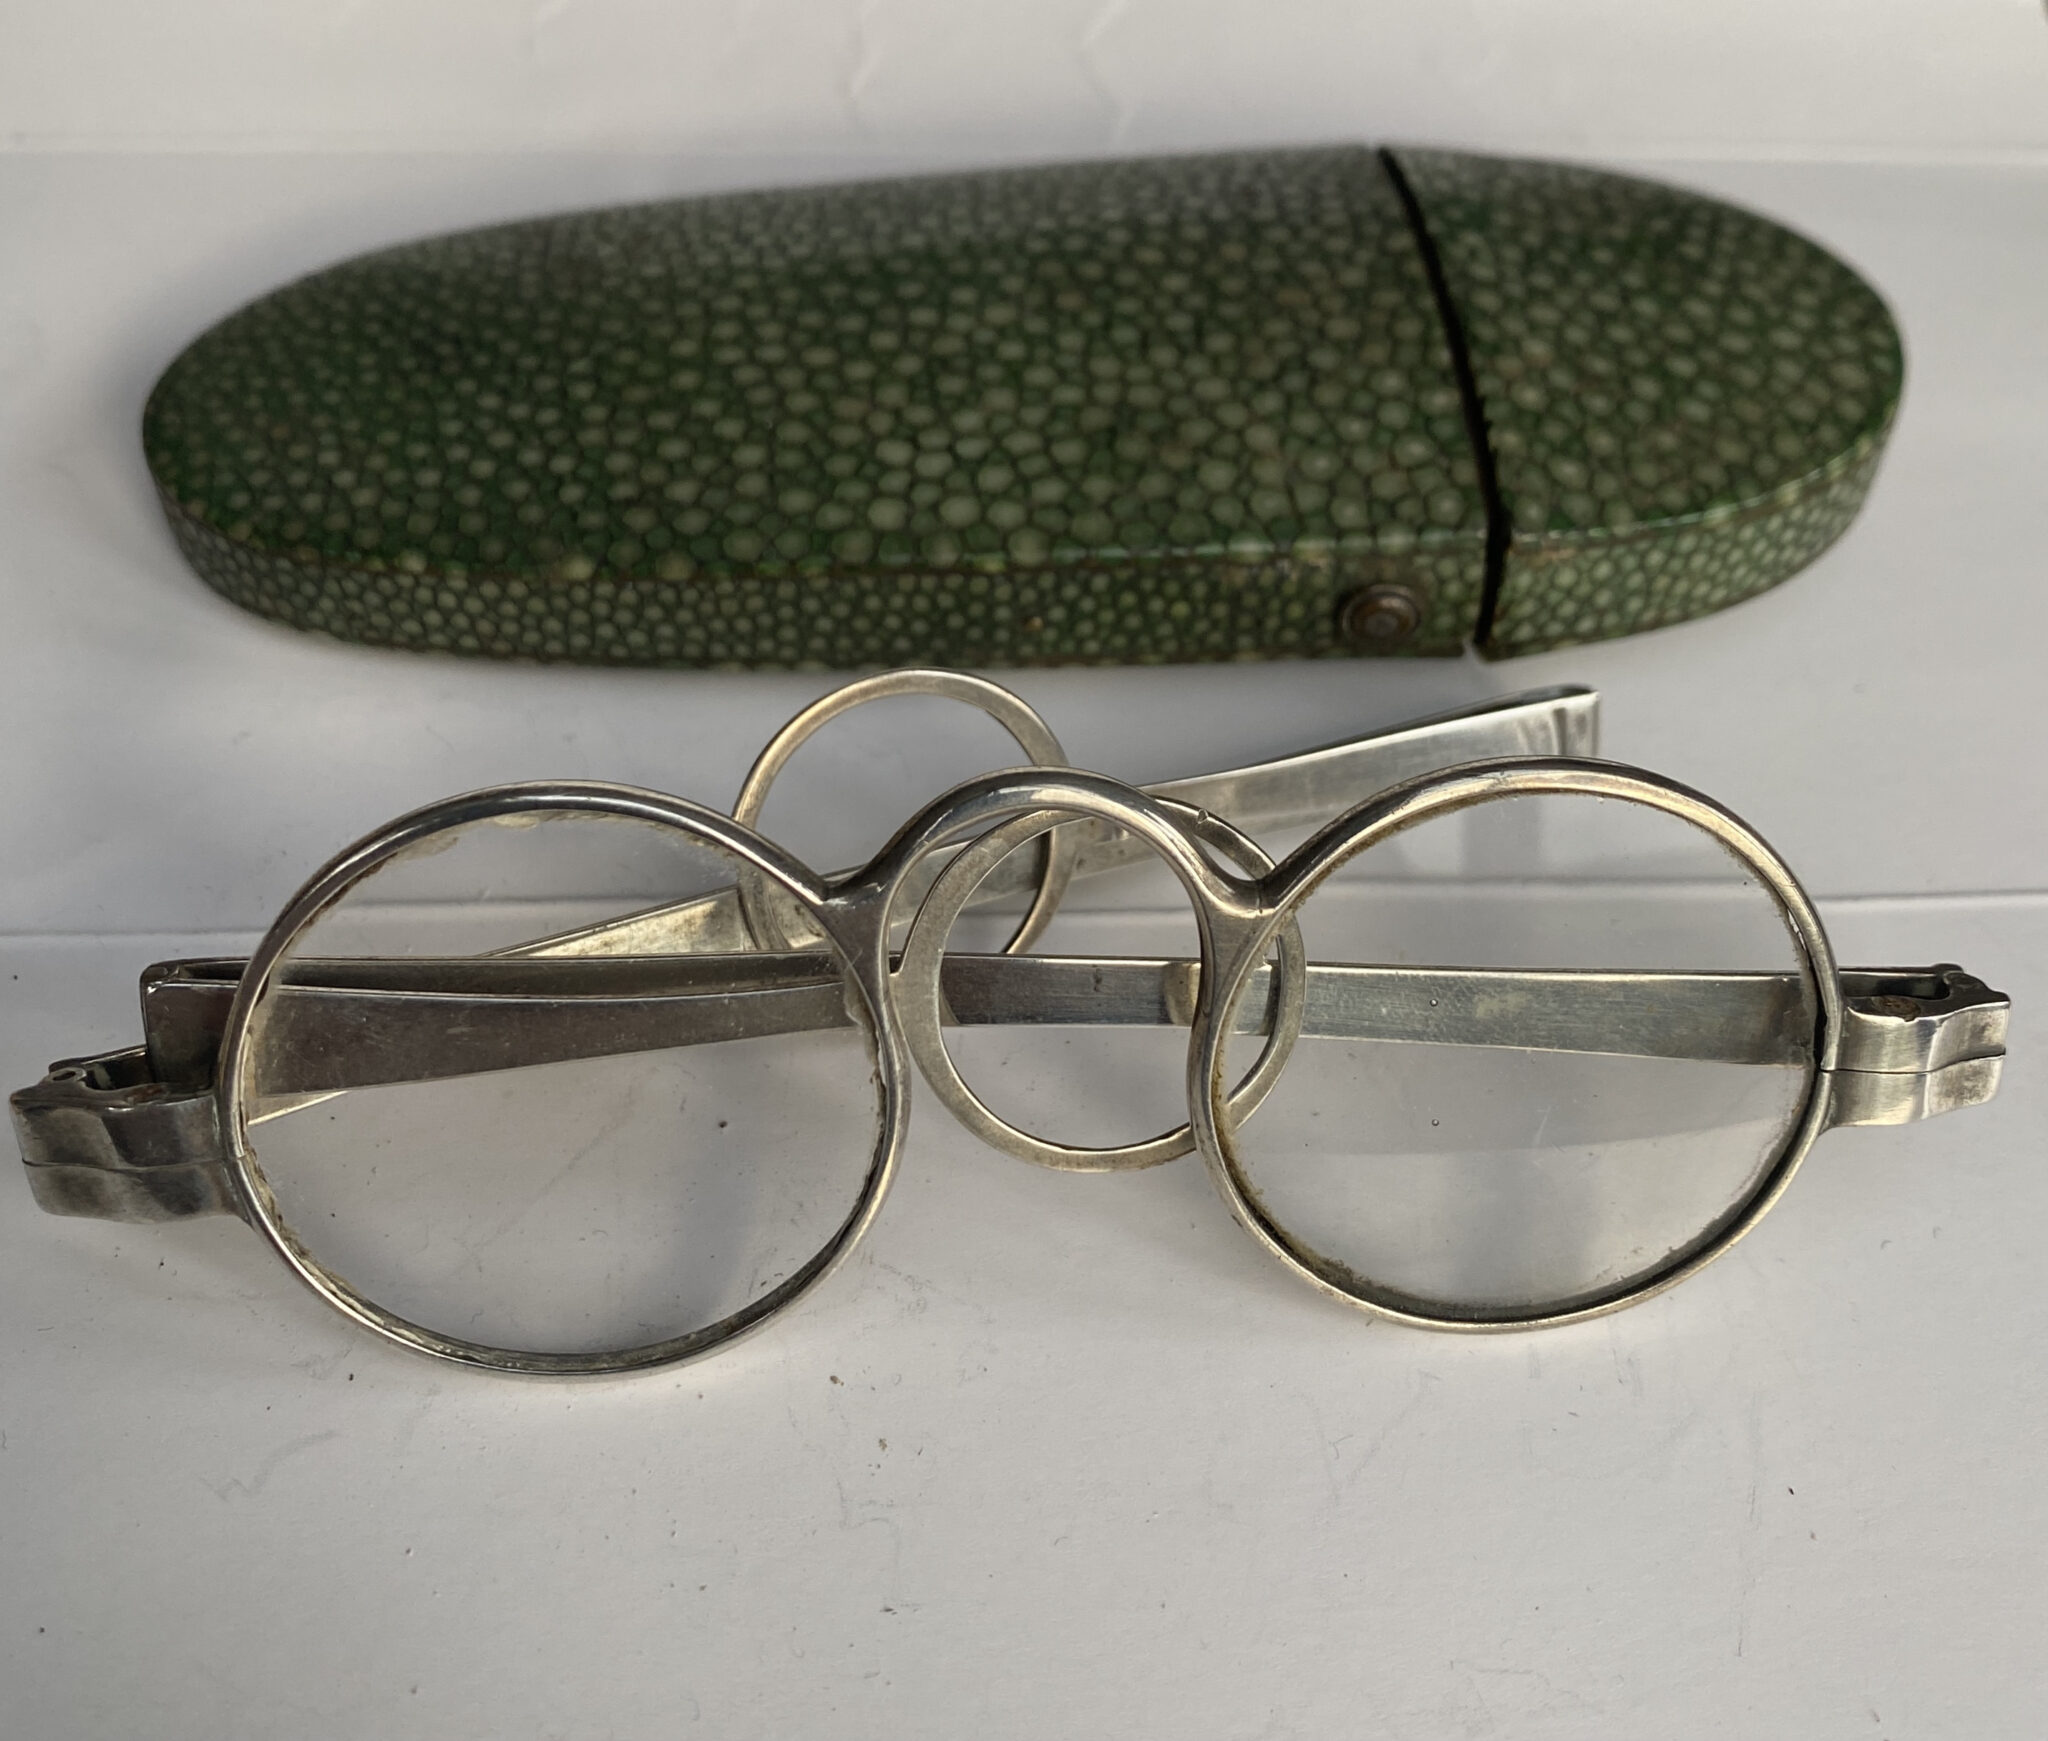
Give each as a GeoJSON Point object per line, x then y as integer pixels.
{"type": "Point", "coordinates": [329, 885]}
{"type": "Point", "coordinates": [760, 910]}
{"type": "Point", "coordinates": [1415, 801]}
{"type": "Point", "coordinates": [920, 1000]}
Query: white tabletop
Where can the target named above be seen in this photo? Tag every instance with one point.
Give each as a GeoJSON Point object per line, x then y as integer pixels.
{"type": "Point", "coordinates": [1052, 1455]}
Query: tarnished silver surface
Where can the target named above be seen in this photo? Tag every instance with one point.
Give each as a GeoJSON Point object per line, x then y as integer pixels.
{"type": "Point", "coordinates": [102, 1137]}
{"type": "Point", "coordinates": [353, 1024]}
{"type": "Point", "coordinates": [162, 1130]}
{"type": "Point", "coordinates": [1916, 1042]}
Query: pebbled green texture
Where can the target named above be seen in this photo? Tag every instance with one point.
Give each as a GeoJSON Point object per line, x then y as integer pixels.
{"type": "Point", "coordinates": [1184, 408]}
{"type": "Point", "coordinates": [1685, 402]}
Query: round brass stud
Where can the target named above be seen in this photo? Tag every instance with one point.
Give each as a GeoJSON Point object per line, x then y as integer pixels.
{"type": "Point", "coordinates": [1381, 617]}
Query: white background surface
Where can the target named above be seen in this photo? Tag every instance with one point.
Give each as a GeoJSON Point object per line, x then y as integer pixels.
{"type": "Point", "coordinates": [1132, 1483]}
{"type": "Point", "coordinates": [1744, 77]}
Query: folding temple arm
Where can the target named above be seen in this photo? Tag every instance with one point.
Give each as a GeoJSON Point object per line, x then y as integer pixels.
{"type": "Point", "coordinates": [132, 1135]}
{"type": "Point", "coordinates": [107, 1137]}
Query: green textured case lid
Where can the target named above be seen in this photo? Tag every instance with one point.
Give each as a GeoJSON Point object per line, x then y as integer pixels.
{"type": "Point", "coordinates": [1254, 405]}
{"type": "Point", "coordinates": [1684, 401]}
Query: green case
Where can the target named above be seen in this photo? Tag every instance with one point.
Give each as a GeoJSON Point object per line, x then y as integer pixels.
{"type": "Point", "coordinates": [1259, 405]}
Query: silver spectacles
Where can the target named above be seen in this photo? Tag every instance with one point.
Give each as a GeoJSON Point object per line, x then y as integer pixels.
{"type": "Point", "coordinates": [570, 1077]}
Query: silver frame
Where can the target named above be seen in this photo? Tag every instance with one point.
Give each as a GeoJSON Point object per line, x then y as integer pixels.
{"type": "Point", "coordinates": [922, 1016]}
{"type": "Point", "coordinates": [587, 798]}
{"type": "Point", "coordinates": [1418, 801]}
{"type": "Point", "coordinates": [100, 1137]}
{"type": "Point", "coordinates": [853, 917]}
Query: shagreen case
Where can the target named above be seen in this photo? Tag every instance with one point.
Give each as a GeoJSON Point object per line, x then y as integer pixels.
{"type": "Point", "coordinates": [1260, 405]}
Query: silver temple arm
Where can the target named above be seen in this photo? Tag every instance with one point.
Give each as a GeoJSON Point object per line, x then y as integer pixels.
{"type": "Point", "coordinates": [1293, 791]}
{"type": "Point", "coordinates": [106, 1137]}
{"type": "Point", "coordinates": [1311, 786]}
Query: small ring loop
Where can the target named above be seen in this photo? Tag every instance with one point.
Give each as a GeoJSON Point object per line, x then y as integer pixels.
{"type": "Point", "coordinates": [1010, 711]}
{"type": "Point", "coordinates": [923, 960]}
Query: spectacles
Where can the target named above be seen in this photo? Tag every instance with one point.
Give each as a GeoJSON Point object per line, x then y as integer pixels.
{"type": "Point", "coordinates": [572, 1071]}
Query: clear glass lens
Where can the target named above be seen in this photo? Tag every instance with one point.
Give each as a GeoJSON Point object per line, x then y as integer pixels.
{"type": "Point", "coordinates": [1090, 1085]}
{"type": "Point", "coordinates": [1098, 1084]}
{"type": "Point", "coordinates": [566, 1147]}
{"type": "Point", "coordinates": [1602, 1080]}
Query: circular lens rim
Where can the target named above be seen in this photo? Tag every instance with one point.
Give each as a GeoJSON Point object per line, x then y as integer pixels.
{"type": "Point", "coordinates": [589, 798]}
{"type": "Point", "coordinates": [1417, 801]}
{"type": "Point", "coordinates": [1024, 723]}
{"type": "Point", "coordinates": [920, 1013]}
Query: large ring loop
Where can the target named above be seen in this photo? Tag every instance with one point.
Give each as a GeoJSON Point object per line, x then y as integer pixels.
{"type": "Point", "coordinates": [1415, 801]}
{"type": "Point", "coordinates": [920, 1007]}
{"type": "Point", "coordinates": [767, 918]}
{"type": "Point", "coordinates": [239, 1042]}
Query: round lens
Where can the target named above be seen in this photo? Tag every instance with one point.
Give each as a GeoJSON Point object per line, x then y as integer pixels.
{"type": "Point", "coordinates": [1075, 1058]}
{"type": "Point", "coordinates": [1553, 1046]}
{"type": "Point", "coordinates": [488, 1091]}
{"type": "Point", "coordinates": [1093, 1073]}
